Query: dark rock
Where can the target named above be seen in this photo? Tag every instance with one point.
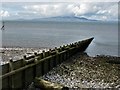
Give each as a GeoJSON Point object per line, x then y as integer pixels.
{"type": "Point", "coordinates": [2, 52]}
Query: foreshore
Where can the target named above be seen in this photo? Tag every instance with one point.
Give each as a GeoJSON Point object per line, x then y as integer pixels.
{"type": "Point", "coordinates": [83, 71]}
{"type": "Point", "coordinates": [79, 71]}
{"type": "Point", "coordinates": [17, 53]}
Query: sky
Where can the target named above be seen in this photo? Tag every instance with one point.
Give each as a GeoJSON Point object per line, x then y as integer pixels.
{"type": "Point", "coordinates": [106, 11]}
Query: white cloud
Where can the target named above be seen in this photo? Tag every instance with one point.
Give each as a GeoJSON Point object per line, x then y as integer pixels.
{"type": "Point", "coordinates": [4, 13]}
{"type": "Point", "coordinates": [60, 1]}
{"type": "Point", "coordinates": [48, 10]}
{"type": "Point", "coordinates": [99, 11]}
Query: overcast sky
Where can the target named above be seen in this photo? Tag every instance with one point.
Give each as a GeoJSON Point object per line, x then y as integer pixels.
{"type": "Point", "coordinates": [91, 10]}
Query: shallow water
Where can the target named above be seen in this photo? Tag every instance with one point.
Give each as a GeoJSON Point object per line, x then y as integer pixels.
{"type": "Point", "coordinates": [51, 34]}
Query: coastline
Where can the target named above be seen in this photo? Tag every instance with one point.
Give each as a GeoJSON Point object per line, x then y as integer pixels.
{"type": "Point", "coordinates": [17, 53]}
{"type": "Point", "coordinates": [88, 72]}
{"type": "Point", "coordinates": [80, 70]}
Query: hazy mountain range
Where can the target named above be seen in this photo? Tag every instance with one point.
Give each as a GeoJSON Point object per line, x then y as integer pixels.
{"type": "Point", "coordinates": [65, 19]}
{"type": "Point", "coordinates": [60, 19]}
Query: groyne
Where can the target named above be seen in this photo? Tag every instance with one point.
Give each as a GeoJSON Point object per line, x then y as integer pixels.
{"type": "Point", "coordinates": [20, 73]}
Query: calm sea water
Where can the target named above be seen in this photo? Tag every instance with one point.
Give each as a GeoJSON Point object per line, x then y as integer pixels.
{"type": "Point", "coordinates": [51, 34]}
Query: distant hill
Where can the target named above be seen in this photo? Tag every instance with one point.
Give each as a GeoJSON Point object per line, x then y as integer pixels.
{"type": "Point", "coordinates": [65, 19]}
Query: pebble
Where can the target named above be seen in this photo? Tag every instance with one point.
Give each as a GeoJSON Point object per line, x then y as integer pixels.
{"type": "Point", "coordinates": [83, 74]}
{"type": "Point", "coordinates": [81, 70]}
{"type": "Point", "coordinates": [17, 53]}
{"type": "Point", "coordinates": [118, 86]}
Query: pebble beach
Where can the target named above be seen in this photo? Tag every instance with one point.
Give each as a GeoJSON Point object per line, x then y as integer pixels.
{"type": "Point", "coordinates": [80, 71]}
{"type": "Point", "coordinates": [83, 71]}
{"type": "Point", "coordinates": [17, 53]}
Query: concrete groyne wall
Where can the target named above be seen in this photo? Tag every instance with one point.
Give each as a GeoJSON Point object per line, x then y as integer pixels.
{"type": "Point", "coordinates": [20, 73]}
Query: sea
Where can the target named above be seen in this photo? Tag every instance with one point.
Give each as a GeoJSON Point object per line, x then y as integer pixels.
{"type": "Point", "coordinates": [50, 34]}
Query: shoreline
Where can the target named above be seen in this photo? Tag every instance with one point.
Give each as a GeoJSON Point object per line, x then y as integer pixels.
{"type": "Point", "coordinates": [16, 53]}
{"type": "Point", "coordinates": [101, 71]}
{"type": "Point", "coordinates": [84, 71]}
